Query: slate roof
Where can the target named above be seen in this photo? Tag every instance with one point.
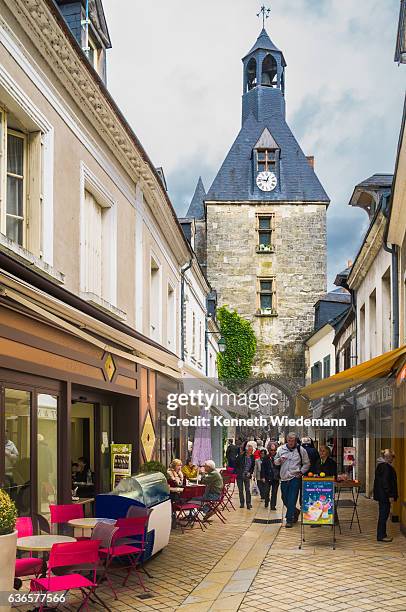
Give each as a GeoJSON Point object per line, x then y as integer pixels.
{"type": "Point", "coordinates": [337, 295]}
{"type": "Point", "coordinates": [264, 42]}
{"type": "Point", "coordinates": [196, 208]}
{"type": "Point", "coordinates": [377, 180]}
{"type": "Point", "coordinates": [235, 180]}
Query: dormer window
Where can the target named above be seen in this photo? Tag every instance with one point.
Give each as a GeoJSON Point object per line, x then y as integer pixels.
{"type": "Point", "coordinates": [266, 160]}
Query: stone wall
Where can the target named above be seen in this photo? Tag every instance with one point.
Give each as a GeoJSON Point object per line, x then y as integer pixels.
{"type": "Point", "coordinates": [298, 264]}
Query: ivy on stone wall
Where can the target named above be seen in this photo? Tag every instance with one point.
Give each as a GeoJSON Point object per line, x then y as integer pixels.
{"type": "Point", "coordinates": [234, 365]}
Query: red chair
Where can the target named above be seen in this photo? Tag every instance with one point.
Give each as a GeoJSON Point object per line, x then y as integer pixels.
{"type": "Point", "coordinates": [63, 513]}
{"type": "Point", "coordinates": [27, 566]}
{"type": "Point", "coordinates": [229, 488]}
{"type": "Point", "coordinates": [215, 507]}
{"type": "Point", "coordinates": [128, 540]}
{"type": "Point", "coordinates": [71, 554]}
{"type": "Point", "coordinates": [187, 507]}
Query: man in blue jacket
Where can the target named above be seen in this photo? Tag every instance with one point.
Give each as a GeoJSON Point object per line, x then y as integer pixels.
{"type": "Point", "coordinates": [294, 463]}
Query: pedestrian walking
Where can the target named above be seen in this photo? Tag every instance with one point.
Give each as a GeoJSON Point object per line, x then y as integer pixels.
{"type": "Point", "coordinates": [257, 472]}
{"type": "Point", "coordinates": [270, 477]}
{"type": "Point", "coordinates": [311, 450]}
{"type": "Point", "coordinates": [231, 454]}
{"type": "Point", "coordinates": [294, 463]}
{"type": "Point", "coordinates": [385, 491]}
{"type": "Point", "coordinates": [244, 468]}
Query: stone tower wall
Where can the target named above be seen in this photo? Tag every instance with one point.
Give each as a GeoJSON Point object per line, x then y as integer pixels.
{"type": "Point", "coordinates": [298, 266]}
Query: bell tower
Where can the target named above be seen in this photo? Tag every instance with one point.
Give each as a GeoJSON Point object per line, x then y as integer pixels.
{"type": "Point", "coordinates": [265, 220]}
{"type": "Point", "coordinates": [263, 79]}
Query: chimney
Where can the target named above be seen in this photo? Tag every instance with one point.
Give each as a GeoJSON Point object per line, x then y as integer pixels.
{"type": "Point", "coordinates": [310, 160]}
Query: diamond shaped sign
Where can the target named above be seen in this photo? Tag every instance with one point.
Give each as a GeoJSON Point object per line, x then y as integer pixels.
{"type": "Point", "coordinates": [148, 437]}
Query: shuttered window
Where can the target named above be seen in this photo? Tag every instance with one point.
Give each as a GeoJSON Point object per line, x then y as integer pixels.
{"type": "Point", "coordinates": [92, 236]}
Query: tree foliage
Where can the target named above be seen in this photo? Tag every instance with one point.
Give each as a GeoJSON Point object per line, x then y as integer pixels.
{"type": "Point", "coordinates": [234, 365]}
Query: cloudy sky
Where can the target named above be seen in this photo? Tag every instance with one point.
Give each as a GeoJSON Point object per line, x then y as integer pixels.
{"type": "Point", "coordinates": [175, 70]}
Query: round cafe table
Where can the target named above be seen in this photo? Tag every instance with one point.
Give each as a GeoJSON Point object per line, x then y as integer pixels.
{"type": "Point", "coordinates": [42, 544]}
{"type": "Point", "coordinates": [89, 523]}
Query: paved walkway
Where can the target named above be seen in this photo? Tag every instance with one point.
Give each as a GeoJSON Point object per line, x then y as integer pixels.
{"type": "Point", "coordinates": [248, 564]}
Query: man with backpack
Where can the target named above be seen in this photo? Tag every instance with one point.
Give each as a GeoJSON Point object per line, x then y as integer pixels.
{"type": "Point", "coordinates": [294, 463]}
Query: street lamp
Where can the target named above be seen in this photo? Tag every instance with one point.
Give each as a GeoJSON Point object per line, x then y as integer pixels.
{"type": "Point", "coordinates": [222, 345]}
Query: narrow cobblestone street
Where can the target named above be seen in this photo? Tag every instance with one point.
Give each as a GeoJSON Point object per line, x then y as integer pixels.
{"type": "Point", "coordinates": [247, 564]}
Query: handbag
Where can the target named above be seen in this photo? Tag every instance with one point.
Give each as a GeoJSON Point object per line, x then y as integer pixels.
{"type": "Point", "coordinates": [255, 489]}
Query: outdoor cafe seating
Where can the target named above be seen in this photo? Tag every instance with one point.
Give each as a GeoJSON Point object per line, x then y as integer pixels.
{"type": "Point", "coordinates": [123, 539]}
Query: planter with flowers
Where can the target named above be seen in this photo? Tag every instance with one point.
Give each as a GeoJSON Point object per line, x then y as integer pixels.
{"type": "Point", "coordinates": [8, 543]}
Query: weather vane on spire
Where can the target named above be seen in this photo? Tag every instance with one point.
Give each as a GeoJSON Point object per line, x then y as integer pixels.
{"type": "Point", "coordinates": [265, 14]}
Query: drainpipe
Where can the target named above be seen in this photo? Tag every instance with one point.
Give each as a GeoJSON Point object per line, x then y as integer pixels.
{"type": "Point", "coordinates": [182, 308]}
{"type": "Point", "coordinates": [393, 250]}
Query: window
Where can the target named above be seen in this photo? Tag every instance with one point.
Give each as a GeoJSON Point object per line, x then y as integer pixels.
{"type": "Point", "coordinates": [316, 372]}
{"type": "Point", "coordinates": [171, 319]}
{"type": "Point", "coordinates": [200, 341]}
{"type": "Point", "coordinates": [326, 366]}
{"type": "Point", "coordinates": [155, 305]}
{"type": "Point", "coordinates": [266, 296]}
{"type": "Point", "coordinates": [16, 187]}
{"type": "Point", "coordinates": [347, 355]}
{"type": "Point", "coordinates": [266, 160]}
{"type": "Point", "coordinates": [265, 227]}
{"type": "Point", "coordinates": [193, 335]}
{"type": "Point", "coordinates": [98, 245]}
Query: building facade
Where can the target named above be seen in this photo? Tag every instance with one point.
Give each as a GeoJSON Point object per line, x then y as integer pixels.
{"type": "Point", "coordinates": [91, 260]}
{"type": "Point", "coordinates": [264, 235]}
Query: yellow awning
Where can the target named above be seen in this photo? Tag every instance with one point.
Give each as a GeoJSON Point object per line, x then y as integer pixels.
{"type": "Point", "coordinates": [374, 368]}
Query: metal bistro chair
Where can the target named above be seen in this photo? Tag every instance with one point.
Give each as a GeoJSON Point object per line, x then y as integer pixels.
{"type": "Point", "coordinates": [187, 508]}
{"type": "Point", "coordinates": [229, 480]}
{"type": "Point", "coordinates": [69, 555]}
{"type": "Point", "coordinates": [26, 566]}
{"type": "Point", "coordinates": [127, 541]}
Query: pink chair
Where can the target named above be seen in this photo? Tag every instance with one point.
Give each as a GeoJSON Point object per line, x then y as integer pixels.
{"type": "Point", "coordinates": [124, 544]}
{"type": "Point", "coordinates": [69, 555]}
{"type": "Point", "coordinates": [62, 513]}
{"type": "Point", "coordinates": [27, 566]}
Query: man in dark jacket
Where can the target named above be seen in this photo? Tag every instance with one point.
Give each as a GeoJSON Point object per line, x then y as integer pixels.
{"type": "Point", "coordinates": [231, 454]}
{"type": "Point", "coordinates": [244, 467]}
{"type": "Point", "coordinates": [385, 491]}
{"type": "Point", "coordinates": [308, 445]}
{"type": "Point", "coordinates": [270, 476]}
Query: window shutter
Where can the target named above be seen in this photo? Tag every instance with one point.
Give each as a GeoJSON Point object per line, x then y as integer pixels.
{"type": "Point", "coordinates": [34, 194]}
{"type": "Point", "coordinates": [93, 245]}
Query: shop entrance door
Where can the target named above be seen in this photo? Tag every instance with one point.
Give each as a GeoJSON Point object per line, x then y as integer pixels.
{"type": "Point", "coordinates": [91, 436]}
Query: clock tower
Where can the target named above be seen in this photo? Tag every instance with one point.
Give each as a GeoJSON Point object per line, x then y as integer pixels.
{"type": "Point", "coordinates": [265, 223]}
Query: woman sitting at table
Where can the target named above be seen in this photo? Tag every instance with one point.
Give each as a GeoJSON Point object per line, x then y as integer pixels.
{"type": "Point", "coordinates": [175, 476]}
{"type": "Point", "coordinates": [190, 470]}
{"type": "Point", "coordinates": [325, 464]}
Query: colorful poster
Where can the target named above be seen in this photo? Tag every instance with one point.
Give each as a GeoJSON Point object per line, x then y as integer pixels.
{"type": "Point", "coordinates": [120, 462]}
{"type": "Point", "coordinates": [349, 456]}
{"type": "Point", "coordinates": [318, 501]}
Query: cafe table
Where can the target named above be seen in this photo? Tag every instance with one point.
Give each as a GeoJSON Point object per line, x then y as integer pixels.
{"type": "Point", "coordinates": [89, 523]}
{"type": "Point", "coordinates": [42, 544]}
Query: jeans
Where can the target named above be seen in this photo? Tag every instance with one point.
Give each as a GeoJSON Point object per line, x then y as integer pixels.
{"type": "Point", "coordinates": [210, 497]}
{"type": "Point", "coordinates": [290, 491]}
{"type": "Point", "coordinates": [262, 488]}
{"type": "Point", "coordinates": [244, 484]}
{"type": "Point", "coordinates": [384, 511]}
{"type": "Point", "coordinates": [271, 487]}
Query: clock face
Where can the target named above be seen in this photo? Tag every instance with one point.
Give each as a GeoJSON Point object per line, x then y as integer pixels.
{"type": "Point", "coordinates": [266, 181]}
